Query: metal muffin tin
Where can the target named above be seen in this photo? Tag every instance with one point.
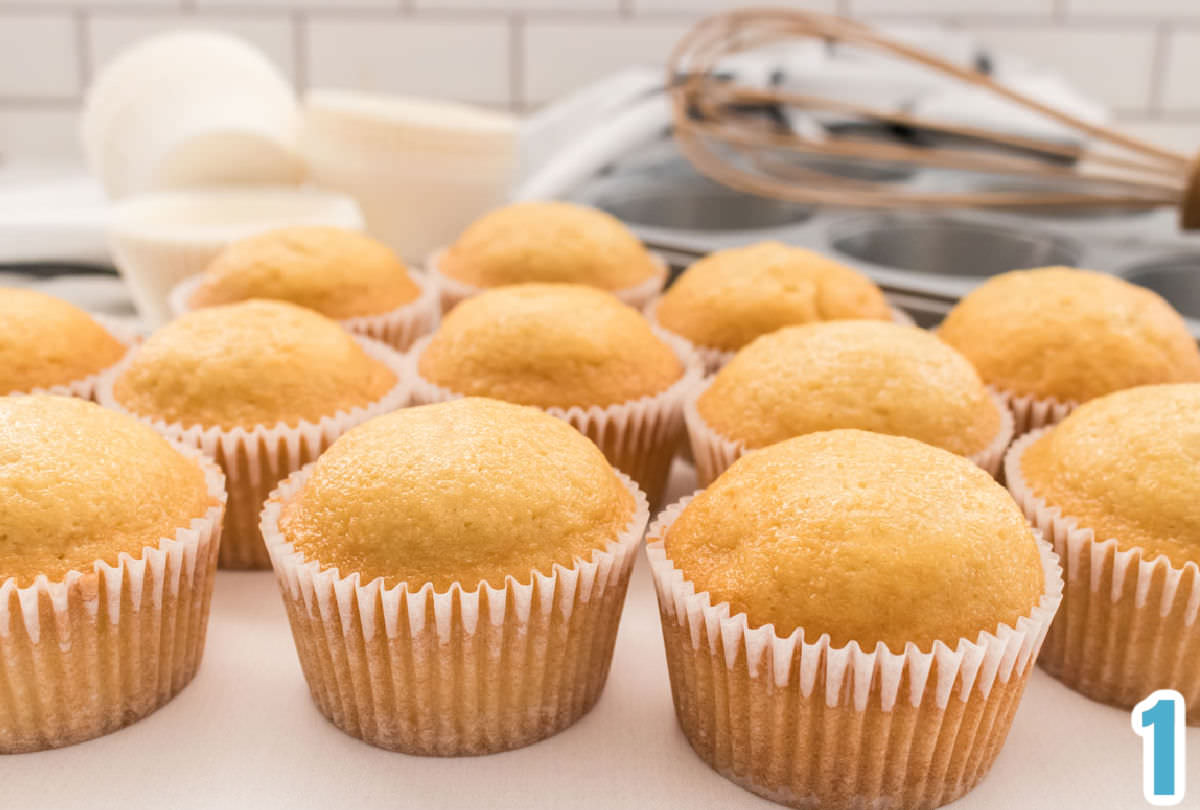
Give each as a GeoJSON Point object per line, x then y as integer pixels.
{"type": "Point", "coordinates": [925, 260]}
{"type": "Point", "coordinates": [1175, 277]}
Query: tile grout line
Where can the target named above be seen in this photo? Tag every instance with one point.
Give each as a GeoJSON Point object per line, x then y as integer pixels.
{"type": "Point", "coordinates": [36, 103]}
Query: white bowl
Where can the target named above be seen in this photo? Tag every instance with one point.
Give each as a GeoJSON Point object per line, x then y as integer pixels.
{"type": "Point", "coordinates": [157, 240]}
{"type": "Point", "coordinates": [202, 138]}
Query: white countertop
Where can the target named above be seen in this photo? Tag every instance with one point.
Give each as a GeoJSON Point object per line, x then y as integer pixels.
{"type": "Point", "coordinates": [245, 734]}
{"type": "Point", "coordinates": [51, 211]}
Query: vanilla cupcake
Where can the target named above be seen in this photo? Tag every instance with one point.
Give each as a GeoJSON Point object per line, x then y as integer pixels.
{"type": "Point", "coordinates": [341, 273]}
{"type": "Point", "coordinates": [1051, 338]}
{"type": "Point", "coordinates": [834, 642]}
{"type": "Point", "coordinates": [263, 387]}
{"type": "Point", "coordinates": [48, 345]}
{"type": "Point", "coordinates": [1116, 485]}
{"type": "Point", "coordinates": [454, 575]}
{"type": "Point", "coordinates": [557, 242]}
{"type": "Point", "coordinates": [869, 375]}
{"type": "Point", "coordinates": [107, 553]}
{"type": "Point", "coordinates": [729, 298]}
{"type": "Point", "coordinates": [576, 352]}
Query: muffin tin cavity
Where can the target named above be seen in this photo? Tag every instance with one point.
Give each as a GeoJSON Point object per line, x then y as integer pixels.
{"type": "Point", "coordinates": [692, 203]}
{"type": "Point", "coordinates": [1175, 278]}
{"type": "Point", "coordinates": [945, 246]}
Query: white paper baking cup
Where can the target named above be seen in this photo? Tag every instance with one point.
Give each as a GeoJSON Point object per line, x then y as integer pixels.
{"type": "Point", "coordinates": [809, 724]}
{"type": "Point", "coordinates": [152, 86]}
{"type": "Point", "coordinates": [422, 170]}
{"type": "Point", "coordinates": [714, 453]}
{"type": "Point", "coordinates": [639, 437]}
{"type": "Point", "coordinates": [157, 240]}
{"type": "Point", "coordinates": [85, 387]}
{"type": "Point", "coordinates": [398, 328]}
{"type": "Point", "coordinates": [454, 672]}
{"type": "Point", "coordinates": [454, 292]}
{"type": "Point", "coordinates": [100, 649]}
{"type": "Point", "coordinates": [254, 460]}
{"type": "Point", "coordinates": [1128, 621]}
{"type": "Point", "coordinates": [716, 359]}
{"type": "Point", "coordinates": [1031, 413]}
{"type": "Point", "coordinates": [199, 133]}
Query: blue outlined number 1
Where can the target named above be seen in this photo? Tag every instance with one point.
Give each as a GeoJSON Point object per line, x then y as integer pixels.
{"type": "Point", "coordinates": [1159, 720]}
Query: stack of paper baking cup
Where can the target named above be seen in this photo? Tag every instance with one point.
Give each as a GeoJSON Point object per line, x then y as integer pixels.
{"type": "Point", "coordinates": [159, 239]}
{"type": "Point", "coordinates": [190, 108]}
{"type": "Point", "coordinates": [421, 170]}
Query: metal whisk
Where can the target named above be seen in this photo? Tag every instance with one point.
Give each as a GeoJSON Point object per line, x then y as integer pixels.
{"type": "Point", "coordinates": [744, 151]}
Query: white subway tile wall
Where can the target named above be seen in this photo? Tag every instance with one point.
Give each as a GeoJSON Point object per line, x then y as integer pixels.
{"type": "Point", "coordinates": [1139, 56]}
{"type": "Point", "coordinates": [1113, 63]}
{"type": "Point", "coordinates": [1180, 91]}
{"type": "Point", "coordinates": [1135, 8]}
{"type": "Point", "coordinates": [610, 6]}
{"type": "Point", "coordinates": [460, 59]}
{"type": "Point", "coordinates": [559, 56]}
{"type": "Point", "coordinates": [39, 60]}
{"type": "Point", "coordinates": [709, 6]}
{"type": "Point", "coordinates": [39, 134]}
{"type": "Point", "coordinates": [108, 33]}
{"type": "Point", "coordinates": [1024, 8]}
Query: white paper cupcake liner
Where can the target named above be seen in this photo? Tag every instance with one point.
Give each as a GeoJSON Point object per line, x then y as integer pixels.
{"type": "Point", "coordinates": [85, 387]}
{"type": "Point", "coordinates": [714, 453]}
{"type": "Point", "coordinates": [398, 328]}
{"type": "Point", "coordinates": [1030, 413]}
{"type": "Point", "coordinates": [454, 672]}
{"type": "Point", "coordinates": [98, 650]}
{"type": "Point", "coordinates": [159, 239]}
{"type": "Point", "coordinates": [809, 724]}
{"type": "Point", "coordinates": [454, 292]}
{"type": "Point", "coordinates": [1128, 623]}
{"type": "Point", "coordinates": [255, 459]}
{"type": "Point", "coordinates": [715, 359]}
{"type": "Point", "coordinates": [639, 437]}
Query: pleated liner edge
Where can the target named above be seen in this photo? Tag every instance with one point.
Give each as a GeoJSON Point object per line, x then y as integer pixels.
{"type": "Point", "coordinates": [455, 672]}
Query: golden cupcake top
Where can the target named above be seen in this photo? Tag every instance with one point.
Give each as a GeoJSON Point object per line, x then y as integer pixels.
{"type": "Point", "coordinates": [1070, 335]}
{"type": "Point", "coordinates": [248, 364]}
{"type": "Point", "coordinates": [467, 491]}
{"type": "Point", "coordinates": [730, 297]}
{"type": "Point", "coordinates": [79, 483]}
{"type": "Point", "coordinates": [44, 342]}
{"type": "Point", "coordinates": [336, 271]}
{"type": "Point", "coordinates": [549, 345]}
{"type": "Point", "coordinates": [862, 536]}
{"type": "Point", "coordinates": [870, 375]}
{"type": "Point", "coordinates": [1127, 466]}
{"type": "Point", "coordinates": [552, 242]}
